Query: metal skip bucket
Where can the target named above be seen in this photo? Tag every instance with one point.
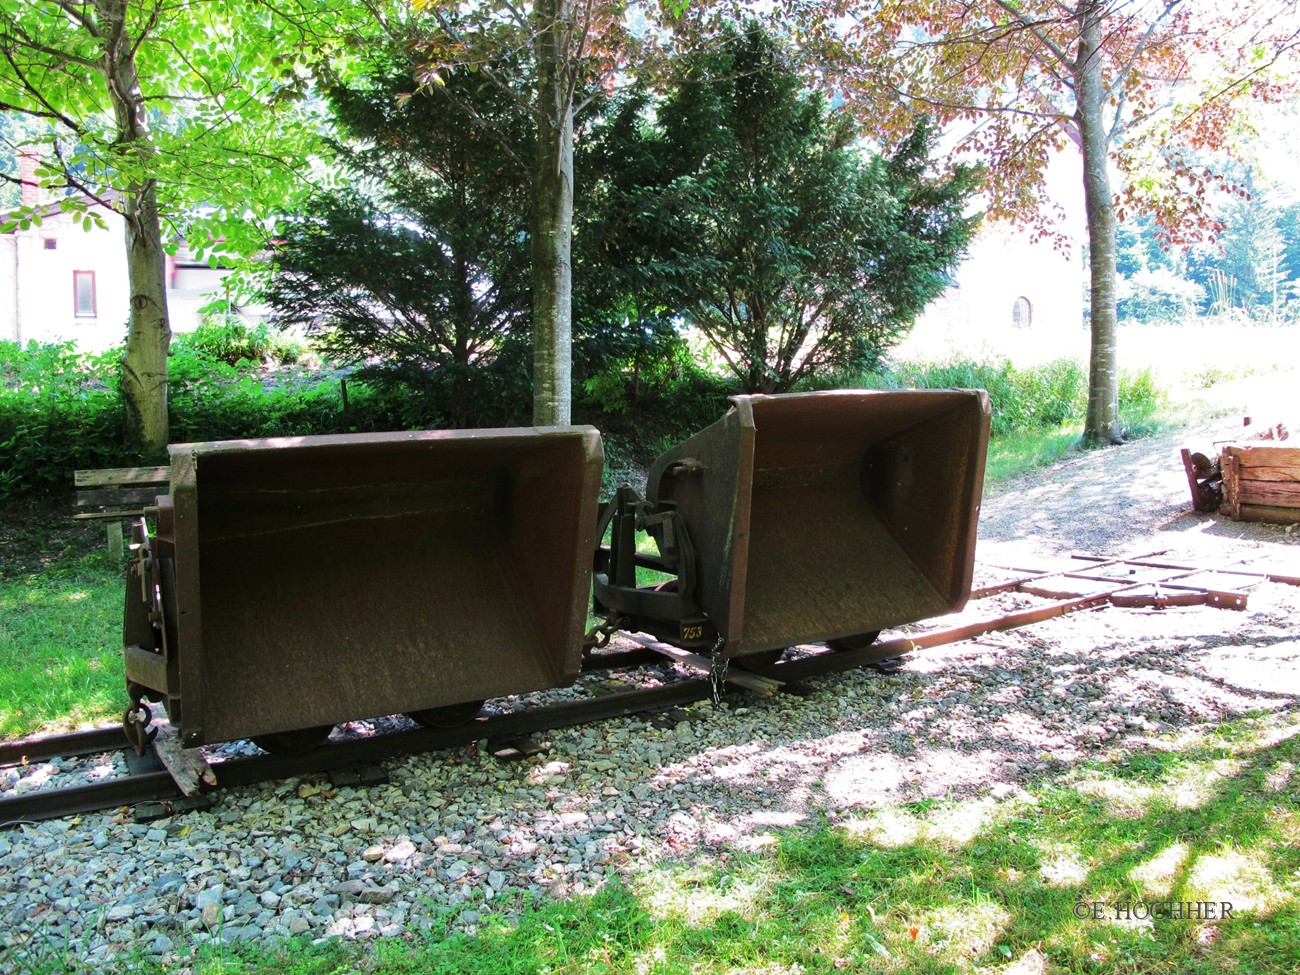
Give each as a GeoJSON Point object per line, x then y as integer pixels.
{"type": "Point", "coordinates": [823, 516]}
{"type": "Point", "coordinates": [324, 579]}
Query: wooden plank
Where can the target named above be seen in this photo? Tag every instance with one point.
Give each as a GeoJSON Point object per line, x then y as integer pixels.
{"type": "Point", "coordinates": [1284, 474]}
{"type": "Point", "coordinates": [1263, 455]}
{"type": "Point", "coordinates": [188, 769]}
{"type": "Point", "coordinates": [115, 476]}
{"type": "Point", "coordinates": [1231, 467]}
{"type": "Point", "coordinates": [1271, 493]}
{"type": "Point", "coordinates": [1278, 516]}
{"type": "Point", "coordinates": [114, 513]}
{"type": "Point", "coordinates": [120, 496]}
{"type": "Point", "coordinates": [741, 678]}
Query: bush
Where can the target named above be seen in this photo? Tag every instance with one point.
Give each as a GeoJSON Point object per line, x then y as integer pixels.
{"type": "Point", "coordinates": [1158, 295]}
{"type": "Point", "coordinates": [59, 411]}
{"type": "Point", "coordinates": [1022, 398]}
{"type": "Point", "coordinates": [643, 406]}
{"type": "Point", "coordinates": [1140, 398]}
{"type": "Point", "coordinates": [231, 340]}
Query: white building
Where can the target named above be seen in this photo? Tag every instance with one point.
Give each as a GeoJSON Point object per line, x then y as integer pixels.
{"type": "Point", "coordinates": [60, 282]}
{"type": "Point", "coordinates": [1014, 292]}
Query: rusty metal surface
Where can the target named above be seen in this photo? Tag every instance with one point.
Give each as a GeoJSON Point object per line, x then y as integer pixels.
{"type": "Point", "coordinates": [818, 516]}
{"type": "Point", "coordinates": [1204, 480]}
{"type": "Point", "coordinates": [326, 579]}
{"type": "Point", "coordinates": [1145, 581]}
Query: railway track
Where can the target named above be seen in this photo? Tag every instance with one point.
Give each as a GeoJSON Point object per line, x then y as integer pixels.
{"type": "Point", "coordinates": [148, 782]}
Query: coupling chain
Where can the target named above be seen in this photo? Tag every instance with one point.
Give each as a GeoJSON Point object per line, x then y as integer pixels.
{"type": "Point", "coordinates": [136, 720]}
{"type": "Point", "coordinates": [598, 636]}
{"type": "Point", "coordinates": [717, 673]}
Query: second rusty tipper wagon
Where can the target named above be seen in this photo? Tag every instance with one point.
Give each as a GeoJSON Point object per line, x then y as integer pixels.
{"type": "Point", "coordinates": [298, 583]}
{"type": "Point", "coordinates": [804, 518]}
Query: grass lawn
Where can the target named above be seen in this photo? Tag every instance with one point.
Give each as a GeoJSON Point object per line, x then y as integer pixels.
{"type": "Point", "coordinates": [60, 646]}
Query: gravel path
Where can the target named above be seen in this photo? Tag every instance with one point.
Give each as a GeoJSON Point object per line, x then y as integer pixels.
{"type": "Point", "coordinates": [468, 833]}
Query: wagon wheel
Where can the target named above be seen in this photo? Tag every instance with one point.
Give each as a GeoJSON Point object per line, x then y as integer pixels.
{"type": "Point", "coordinates": [136, 720]}
{"type": "Point", "coordinates": [447, 716]}
{"type": "Point", "coordinates": [861, 641]}
{"type": "Point", "coordinates": [296, 742]}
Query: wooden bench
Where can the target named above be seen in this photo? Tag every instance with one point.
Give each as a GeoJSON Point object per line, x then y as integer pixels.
{"type": "Point", "coordinates": [118, 494]}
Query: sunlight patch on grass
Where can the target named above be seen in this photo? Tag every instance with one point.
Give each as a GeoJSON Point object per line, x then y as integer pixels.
{"type": "Point", "coordinates": [1062, 863]}
{"type": "Point", "coordinates": [1184, 786]}
{"type": "Point", "coordinates": [698, 896]}
{"type": "Point", "coordinates": [1279, 777]}
{"type": "Point", "coordinates": [1238, 878]}
{"type": "Point", "coordinates": [1156, 875]}
{"type": "Point", "coordinates": [1123, 800]}
{"type": "Point", "coordinates": [964, 929]}
{"type": "Point", "coordinates": [958, 823]}
{"type": "Point", "coordinates": [886, 827]}
{"type": "Point", "coordinates": [948, 825]}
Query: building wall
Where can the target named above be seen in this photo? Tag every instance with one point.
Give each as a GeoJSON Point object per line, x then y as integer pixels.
{"type": "Point", "coordinates": [37, 284]}
{"type": "Point", "coordinates": [1012, 291]}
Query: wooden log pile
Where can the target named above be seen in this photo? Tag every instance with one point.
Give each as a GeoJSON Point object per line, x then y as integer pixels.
{"type": "Point", "coordinates": [1261, 482]}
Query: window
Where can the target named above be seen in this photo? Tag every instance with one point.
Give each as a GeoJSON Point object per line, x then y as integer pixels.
{"type": "Point", "coordinates": [51, 243]}
{"type": "Point", "coordinates": [83, 293]}
{"type": "Point", "coordinates": [1022, 313]}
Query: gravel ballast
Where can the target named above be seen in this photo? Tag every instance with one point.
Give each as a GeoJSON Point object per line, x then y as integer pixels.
{"type": "Point", "coordinates": [467, 833]}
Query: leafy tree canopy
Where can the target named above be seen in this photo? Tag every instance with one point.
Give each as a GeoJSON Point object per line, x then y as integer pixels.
{"type": "Point", "coordinates": [417, 267]}
{"type": "Point", "coordinates": [773, 233]}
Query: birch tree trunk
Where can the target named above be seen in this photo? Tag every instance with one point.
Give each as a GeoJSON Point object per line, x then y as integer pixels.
{"type": "Point", "coordinates": [552, 220]}
{"type": "Point", "coordinates": [144, 365]}
{"type": "Point", "coordinates": [1102, 425]}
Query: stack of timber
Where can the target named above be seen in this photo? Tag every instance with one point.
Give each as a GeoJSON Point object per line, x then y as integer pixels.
{"type": "Point", "coordinates": [1261, 482]}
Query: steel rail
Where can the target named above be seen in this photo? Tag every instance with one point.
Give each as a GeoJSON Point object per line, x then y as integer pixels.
{"type": "Point", "coordinates": [56, 803]}
{"type": "Point", "coordinates": [39, 749]}
{"type": "Point", "coordinates": [498, 727]}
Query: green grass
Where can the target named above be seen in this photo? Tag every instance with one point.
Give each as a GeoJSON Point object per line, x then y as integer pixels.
{"type": "Point", "coordinates": [934, 887]}
{"type": "Point", "coordinates": [60, 653]}
{"type": "Point", "coordinates": [1015, 453]}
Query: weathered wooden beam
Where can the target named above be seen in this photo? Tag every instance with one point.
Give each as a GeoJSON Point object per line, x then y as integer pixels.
{"type": "Point", "coordinates": [122, 475]}
{"type": "Point", "coordinates": [131, 495]}
{"type": "Point", "coordinates": [741, 678]}
{"type": "Point", "coordinates": [187, 766]}
{"type": "Point", "coordinates": [1275, 515]}
{"type": "Point", "coordinates": [1272, 493]}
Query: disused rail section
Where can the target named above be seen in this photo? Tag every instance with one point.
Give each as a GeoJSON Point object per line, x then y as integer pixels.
{"type": "Point", "coordinates": [1146, 580]}
{"type": "Point", "coordinates": [1098, 582]}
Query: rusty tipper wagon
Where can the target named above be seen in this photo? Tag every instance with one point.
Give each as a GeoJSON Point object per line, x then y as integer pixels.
{"type": "Point", "coordinates": [292, 584]}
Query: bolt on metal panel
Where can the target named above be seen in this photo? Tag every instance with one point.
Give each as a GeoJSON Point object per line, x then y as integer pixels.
{"type": "Point", "coordinates": [818, 516]}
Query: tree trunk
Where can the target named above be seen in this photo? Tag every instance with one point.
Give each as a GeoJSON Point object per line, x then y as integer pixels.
{"type": "Point", "coordinates": [144, 366]}
{"type": "Point", "coordinates": [552, 226]}
{"type": "Point", "coordinates": [1102, 425]}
